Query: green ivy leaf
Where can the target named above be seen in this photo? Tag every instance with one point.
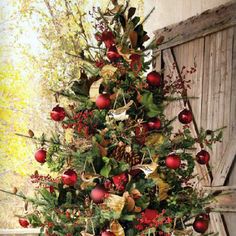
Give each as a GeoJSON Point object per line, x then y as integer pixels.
{"type": "Point", "coordinates": [105, 171]}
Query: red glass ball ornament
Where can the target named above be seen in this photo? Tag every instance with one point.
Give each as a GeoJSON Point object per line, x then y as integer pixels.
{"type": "Point", "coordinates": [185, 116]}
{"type": "Point", "coordinates": [203, 157]}
{"type": "Point", "coordinates": [200, 225]}
{"type": "Point", "coordinates": [141, 133]}
{"type": "Point", "coordinates": [98, 194]}
{"type": "Point", "coordinates": [113, 54]}
{"type": "Point", "coordinates": [40, 156]}
{"type": "Point", "coordinates": [58, 113]}
{"type": "Point", "coordinates": [103, 101]}
{"type": "Point", "coordinates": [107, 233]}
{"type": "Point", "coordinates": [154, 79]}
{"type": "Point", "coordinates": [203, 216]}
{"type": "Point", "coordinates": [173, 161]}
{"type": "Point", "coordinates": [23, 222]}
{"type": "Point", "coordinates": [69, 177]}
{"type": "Point", "coordinates": [154, 124]}
{"type": "Point", "coordinates": [107, 184]}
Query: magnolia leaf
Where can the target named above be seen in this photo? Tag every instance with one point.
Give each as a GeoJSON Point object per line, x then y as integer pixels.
{"type": "Point", "coordinates": [116, 228]}
{"type": "Point", "coordinates": [133, 36]}
{"type": "Point", "coordinates": [131, 12]}
{"type": "Point", "coordinates": [94, 90]}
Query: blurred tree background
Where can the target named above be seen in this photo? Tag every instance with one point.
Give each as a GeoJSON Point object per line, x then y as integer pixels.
{"type": "Point", "coordinates": [37, 44]}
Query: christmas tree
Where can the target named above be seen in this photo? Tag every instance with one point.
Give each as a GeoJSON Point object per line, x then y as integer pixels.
{"type": "Point", "coordinates": [120, 168]}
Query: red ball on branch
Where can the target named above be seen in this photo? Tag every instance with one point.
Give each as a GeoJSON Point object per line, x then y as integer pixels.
{"type": "Point", "coordinates": [40, 156]}
{"type": "Point", "coordinates": [113, 54]}
{"type": "Point", "coordinates": [58, 113]}
{"type": "Point", "coordinates": [107, 233]}
{"type": "Point", "coordinates": [69, 177]}
{"type": "Point", "coordinates": [154, 124]}
{"type": "Point", "coordinates": [173, 161]}
{"type": "Point", "coordinates": [154, 79]}
{"type": "Point", "coordinates": [103, 101]}
{"type": "Point", "coordinates": [23, 222]}
{"type": "Point", "coordinates": [200, 225]}
{"type": "Point", "coordinates": [185, 116]}
{"type": "Point", "coordinates": [203, 157]}
{"type": "Point", "coordinates": [98, 194]}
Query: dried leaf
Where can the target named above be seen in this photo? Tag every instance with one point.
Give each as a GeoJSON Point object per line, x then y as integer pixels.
{"type": "Point", "coordinates": [154, 140]}
{"type": "Point", "coordinates": [116, 228]}
{"type": "Point", "coordinates": [115, 202]}
{"type": "Point", "coordinates": [162, 185]}
{"type": "Point", "coordinates": [94, 90]}
{"type": "Point", "coordinates": [130, 204]}
{"type": "Point", "coordinates": [31, 133]}
{"type": "Point", "coordinates": [160, 40]}
{"type": "Point", "coordinates": [131, 12]}
{"type": "Point", "coordinates": [133, 36]}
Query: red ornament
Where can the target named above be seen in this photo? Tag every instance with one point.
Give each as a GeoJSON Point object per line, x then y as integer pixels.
{"type": "Point", "coordinates": [98, 194]}
{"type": "Point", "coordinates": [113, 54]}
{"type": "Point", "coordinates": [69, 177]}
{"type": "Point", "coordinates": [40, 156]}
{"type": "Point", "coordinates": [24, 222]}
{"type": "Point", "coordinates": [141, 133]}
{"type": "Point", "coordinates": [203, 216]}
{"type": "Point", "coordinates": [173, 161]}
{"type": "Point", "coordinates": [203, 157]}
{"type": "Point", "coordinates": [154, 124]}
{"type": "Point", "coordinates": [107, 233]}
{"type": "Point", "coordinates": [103, 101]}
{"type": "Point", "coordinates": [185, 116]}
{"type": "Point", "coordinates": [200, 225]}
{"type": "Point", "coordinates": [154, 79]}
{"type": "Point", "coordinates": [58, 113]}
{"type": "Point", "coordinates": [120, 181]}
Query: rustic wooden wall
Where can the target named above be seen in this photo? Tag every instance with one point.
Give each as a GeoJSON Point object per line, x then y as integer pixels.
{"type": "Point", "coordinates": [208, 41]}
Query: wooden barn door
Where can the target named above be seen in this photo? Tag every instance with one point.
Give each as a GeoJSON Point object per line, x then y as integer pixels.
{"type": "Point", "coordinates": [208, 41]}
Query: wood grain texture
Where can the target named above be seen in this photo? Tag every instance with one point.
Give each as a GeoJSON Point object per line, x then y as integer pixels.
{"type": "Point", "coordinates": [204, 24]}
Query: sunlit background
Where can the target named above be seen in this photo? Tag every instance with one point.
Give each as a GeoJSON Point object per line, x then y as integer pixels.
{"type": "Point", "coordinates": [29, 65]}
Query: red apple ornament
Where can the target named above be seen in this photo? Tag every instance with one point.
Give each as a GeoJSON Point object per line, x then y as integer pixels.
{"type": "Point", "coordinates": [185, 116]}
{"type": "Point", "coordinates": [173, 161]}
{"type": "Point", "coordinates": [40, 156]}
{"type": "Point", "coordinates": [200, 225]}
{"type": "Point", "coordinates": [203, 157]}
{"type": "Point", "coordinates": [154, 79]}
{"type": "Point", "coordinates": [69, 177]}
{"type": "Point", "coordinates": [154, 124]}
{"type": "Point", "coordinates": [98, 194]}
{"type": "Point", "coordinates": [24, 222]}
{"type": "Point", "coordinates": [103, 101]}
{"type": "Point", "coordinates": [58, 113]}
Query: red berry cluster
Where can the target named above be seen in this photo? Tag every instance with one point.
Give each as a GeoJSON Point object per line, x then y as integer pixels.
{"type": "Point", "coordinates": [151, 218]}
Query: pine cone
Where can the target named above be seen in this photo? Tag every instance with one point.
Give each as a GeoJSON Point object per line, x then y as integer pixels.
{"type": "Point", "coordinates": [123, 153]}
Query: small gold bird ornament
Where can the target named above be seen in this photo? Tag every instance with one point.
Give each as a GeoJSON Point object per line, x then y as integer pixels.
{"type": "Point", "coordinates": [146, 168]}
{"type": "Point", "coordinates": [88, 179]}
{"type": "Point", "coordinates": [119, 114]}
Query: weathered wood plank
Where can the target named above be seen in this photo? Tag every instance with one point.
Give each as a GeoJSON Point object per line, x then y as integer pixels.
{"type": "Point", "coordinates": [28, 232]}
{"type": "Point", "coordinates": [227, 159]}
{"type": "Point", "coordinates": [217, 223]}
{"type": "Point", "coordinates": [204, 24]}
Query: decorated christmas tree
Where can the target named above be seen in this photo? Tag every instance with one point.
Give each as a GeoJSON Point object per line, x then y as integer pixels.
{"type": "Point", "coordinates": [119, 168]}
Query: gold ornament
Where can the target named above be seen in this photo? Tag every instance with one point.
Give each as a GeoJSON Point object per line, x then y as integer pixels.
{"type": "Point", "coordinates": [146, 168]}
{"type": "Point", "coordinates": [116, 228]}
